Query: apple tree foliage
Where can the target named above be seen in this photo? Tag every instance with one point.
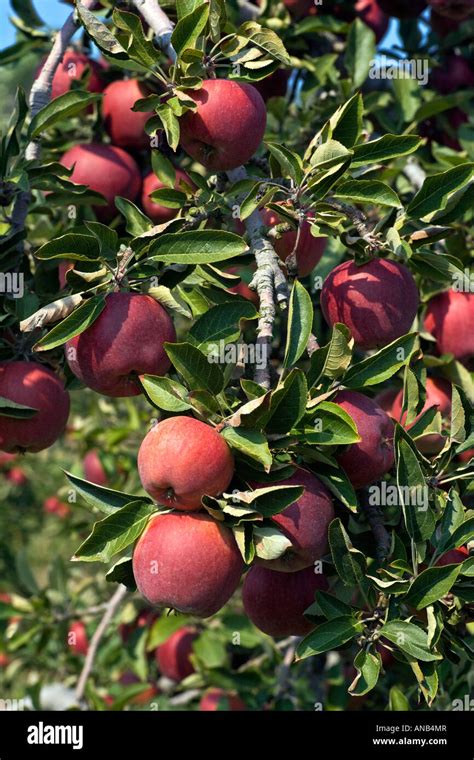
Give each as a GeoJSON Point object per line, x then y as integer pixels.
{"type": "Point", "coordinates": [350, 149]}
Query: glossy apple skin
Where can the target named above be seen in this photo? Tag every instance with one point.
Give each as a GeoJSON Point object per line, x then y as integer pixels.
{"type": "Point", "coordinates": [94, 469]}
{"type": "Point", "coordinates": [459, 10]}
{"type": "Point", "coordinates": [160, 214]}
{"type": "Point", "coordinates": [450, 319]}
{"type": "Point", "coordinates": [125, 127]}
{"type": "Point", "coordinates": [190, 563]}
{"type": "Point", "coordinates": [402, 8]}
{"type": "Point", "coordinates": [36, 386]}
{"type": "Point", "coordinates": [108, 170]}
{"type": "Point", "coordinates": [275, 602]}
{"type": "Point", "coordinates": [72, 68]}
{"type": "Point", "coordinates": [438, 393]}
{"type": "Point", "coordinates": [453, 557]}
{"type": "Point", "coordinates": [78, 635]}
{"type": "Point", "coordinates": [310, 249]}
{"type": "Point", "coordinates": [173, 656]}
{"type": "Point", "coordinates": [305, 523]}
{"type": "Point", "coordinates": [181, 459]}
{"type": "Point", "coordinates": [228, 125]}
{"type": "Point", "coordinates": [367, 461]}
{"type": "Point", "coordinates": [217, 699]}
{"type": "Point", "coordinates": [377, 301]}
{"type": "Point", "coordinates": [126, 340]}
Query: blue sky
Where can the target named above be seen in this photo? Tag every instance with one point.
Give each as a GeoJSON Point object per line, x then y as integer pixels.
{"type": "Point", "coordinates": [54, 14]}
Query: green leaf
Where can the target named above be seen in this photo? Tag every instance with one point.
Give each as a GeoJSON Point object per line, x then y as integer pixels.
{"type": "Point", "coordinates": [290, 162]}
{"type": "Point", "coordinates": [453, 518]}
{"type": "Point", "coordinates": [27, 12]}
{"type": "Point", "coordinates": [139, 47]}
{"type": "Point", "coordinates": [409, 638]}
{"type": "Point", "coordinates": [100, 33]}
{"type": "Point", "coordinates": [165, 394]}
{"type": "Point", "coordinates": [196, 247]}
{"type": "Point", "coordinates": [333, 359]}
{"type": "Point", "coordinates": [106, 500]}
{"type": "Point", "coordinates": [170, 124]}
{"type": "Point", "coordinates": [418, 516]}
{"type": "Point", "coordinates": [367, 191]}
{"type": "Point", "coordinates": [115, 532]}
{"type": "Point", "coordinates": [329, 154]}
{"type": "Point", "coordinates": [368, 666]}
{"type": "Point", "coordinates": [332, 426]}
{"type": "Point", "coordinates": [349, 562]}
{"type": "Point", "coordinates": [270, 543]}
{"type": "Point", "coordinates": [360, 52]}
{"type": "Point", "coordinates": [346, 123]}
{"type": "Point", "coordinates": [385, 148]}
{"type": "Point", "coordinates": [221, 324]}
{"type": "Point", "coordinates": [137, 222]}
{"type": "Point", "coordinates": [210, 649]}
{"type": "Point", "coordinates": [62, 107]}
{"type": "Point", "coordinates": [397, 701]}
{"type": "Point", "coordinates": [435, 190]}
{"type": "Point", "coordinates": [10, 408]}
{"type": "Point", "coordinates": [431, 585]}
{"type": "Point", "coordinates": [169, 198]}
{"type": "Point", "coordinates": [287, 403]}
{"type": "Point", "coordinates": [189, 28]}
{"type": "Point", "coordinates": [162, 629]}
{"type": "Point", "coordinates": [330, 635]}
{"type": "Point", "coordinates": [300, 322]}
{"type": "Point", "coordinates": [251, 443]}
{"type": "Point", "coordinates": [195, 367]}
{"type": "Point", "coordinates": [74, 324]}
{"type": "Point", "coordinates": [382, 365]}
{"type": "Point", "coordinates": [122, 572]}
{"type": "Point", "coordinates": [329, 606]}
{"type": "Point", "coordinates": [72, 245]}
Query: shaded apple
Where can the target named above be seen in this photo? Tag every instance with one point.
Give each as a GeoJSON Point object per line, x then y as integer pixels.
{"type": "Point", "coordinates": [377, 301]}
{"type": "Point", "coordinates": [454, 74]}
{"type": "Point", "coordinates": [77, 638]}
{"type": "Point", "coordinates": [273, 86]}
{"type": "Point", "coordinates": [228, 125]}
{"type": "Point", "coordinates": [150, 690]}
{"type": "Point", "coordinates": [369, 11]}
{"type": "Point", "coordinates": [173, 656]}
{"type": "Point", "coordinates": [459, 10]}
{"type": "Point", "coordinates": [449, 319]}
{"type": "Point", "coordinates": [386, 398]}
{"type": "Point", "coordinates": [94, 469]}
{"type": "Point", "coordinates": [190, 563]}
{"type": "Point", "coordinates": [63, 268]}
{"type": "Point", "coordinates": [305, 523]}
{"type": "Point", "coordinates": [300, 8]}
{"type": "Point", "coordinates": [453, 557]}
{"type": "Point", "coordinates": [125, 127]}
{"type": "Point", "coordinates": [367, 461]}
{"type": "Point", "coordinates": [125, 341]}
{"type": "Point", "coordinates": [106, 169]}
{"type": "Point", "coordinates": [36, 386]}
{"type": "Point", "coordinates": [181, 459]}
{"type": "Point", "coordinates": [72, 68]}
{"type": "Point", "coordinates": [438, 393]}
{"type": "Point", "coordinates": [309, 249]}
{"type": "Point", "coordinates": [466, 456]}
{"type": "Point", "coordinates": [275, 602]}
{"type": "Point", "coordinates": [157, 213]}
{"type": "Point", "coordinates": [216, 699]}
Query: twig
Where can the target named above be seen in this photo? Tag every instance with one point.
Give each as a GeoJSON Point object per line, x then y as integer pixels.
{"type": "Point", "coordinates": [285, 667]}
{"type": "Point", "coordinates": [269, 280]}
{"type": "Point", "coordinates": [111, 608]}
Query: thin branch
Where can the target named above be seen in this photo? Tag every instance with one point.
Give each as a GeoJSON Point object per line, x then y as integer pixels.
{"type": "Point", "coordinates": [283, 676]}
{"type": "Point", "coordinates": [111, 608]}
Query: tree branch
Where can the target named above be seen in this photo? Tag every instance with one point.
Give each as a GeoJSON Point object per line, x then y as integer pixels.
{"type": "Point", "coordinates": [111, 608]}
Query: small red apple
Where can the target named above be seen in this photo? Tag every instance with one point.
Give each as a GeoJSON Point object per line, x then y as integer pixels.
{"type": "Point", "coordinates": [17, 477]}
{"type": "Point", "coordinates": [228, 125]}
{"type": "Point", "coordinates": [125, 341]}
{"type": "Point", "coordinates": [377, 301]}
{"type": "Point", "coordinates": [190, 563]}
{"type": "Point", "coordinates": [450, 319]}
{"type": "Point", "coordinates": [275, 602]}
{"type": "Point", "coordinates": [106, 169]}
{"type": "Point", "coordinates": [36, 386]}
{"type": "Point", "coordinates": [71, 68]}
{"type": "Point", "coordinates": [125, 127]}
{"type": "Point", "coordinates": [453, 557]}
{"type": "Point", "coordinates": [218, 699]}
{"type": "Point", "coordinates": [367, 461]}
{"type": "Point", "coordinates": [454, 74]}
{"type": "Point", "coordinates": [53, 505]}
{"type": "Point", "coordinates": [173, 656]}
{"type": "Point", "coordinates": [94, 469]}
{"type": "Point", "coordinates": [181, 459]}
{"type": "Point", "coordinates": [77, 638]}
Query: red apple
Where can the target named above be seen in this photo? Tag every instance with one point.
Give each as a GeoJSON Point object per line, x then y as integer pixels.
{"type": "Point", "coordinates": [386, 398]}
{"type": "Point", "coordinates": [273, 86]}
{"type": "Point", "coordinates": [125, 127]}
{"type": "Point", "coordinates": [181, 459]}
{"type": "Point", "coordinates": [53, 505]}
{"type": "Point", "coordinates": [173, 657]}
{"type": "Point", "coordinates": [453, 557]}
{"type": "Point", "coordinates": [106, 169]}
{"type": "Point", "coordinates": [125, 341]}
{"type": "Point", "coordinates": [149, 690]}
{"type": "Point", "coordinates": [94, 469]}
{"type": "Point", "coordinates": [305, 523]}
{"type": "Point", "coordinates": [309, 250]}
{"type": "Point", "coordinates": [36, 386]}
{"type": "Point", "coordinates": [450, 319]}
{"type": "Point", "coordinates": [218, 699]}
{"type": "Point", "coordinates": [160, 214]}
{"type": "Point", "coordinates": [466, 456]}
{"type": "Point", "coordinates": [6, 459]}
{"type": "Point", "coordinates": [377, 301]}
{"type": "Point", "coordinates": [369, 11]}
{"type": "Point", "coordinates": [71, 68]}
{"type": "Point", "coordinates": [300, 8]}
{"type": "Point", "coordinates": [63, 268]}
{"type": "Point", "coordinates": [242, 289]}
{"type": "Point", "coordinates": [4, 660]}
{"type": "Point", "coordinates": [275, 602]}
{"type": "Point", "coordinates": [438, 393]}
{"type": "Point", "coordinates": [17, 477]}
{"type": "Point", "coordinates": [77, 638]}
{"type": "Point", "coordinates": [228, 125]}
{"type": "Point", "coordinates": [367, 461]}
{"type": "Point", "coordinates": [188, 562]}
